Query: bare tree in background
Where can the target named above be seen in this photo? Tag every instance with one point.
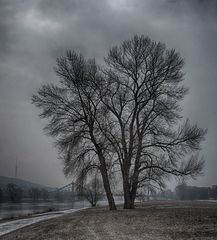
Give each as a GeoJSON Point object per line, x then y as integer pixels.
{"type": "Point", "coordinates": [152, 180]}
{"type": "Point", "coordinates": [44, 194]}
{"type": "Point", "coordinates": [93, 190]}
{"type": "Point", "coordinates": [74, 108]}
{"type": "Point", "coordinates": [34, 193]}
{"type": "Point", "coordinates": [142, 91]}
{"type": "Point", "coordinates": [14, 192]}
{"type": "Point", "coordinates": [1, 195]}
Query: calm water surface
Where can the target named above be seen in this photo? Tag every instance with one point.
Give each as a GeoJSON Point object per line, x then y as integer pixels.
{"type": "Point", "coordinates": [9, 210]}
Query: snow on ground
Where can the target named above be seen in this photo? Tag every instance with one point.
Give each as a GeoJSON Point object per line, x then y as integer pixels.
{"type": "Point", "coordinates": [8, 227]}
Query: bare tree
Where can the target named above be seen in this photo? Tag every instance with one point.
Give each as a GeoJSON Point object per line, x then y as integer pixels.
{"type": "Point", "coordinates": [34, 193]}
{"type": "Point", "coordinates": [142, 92]}
{"type": "Point", "coordinates": [1, 195]}
{"type": "Point", "coordinates": [44, 193]}
{"type": "Point", "coordinates": [93, 190]}
{"type": "Point", "coordinates": [146, 192]}
{"type": "Point", "coordinates": [74, 108]}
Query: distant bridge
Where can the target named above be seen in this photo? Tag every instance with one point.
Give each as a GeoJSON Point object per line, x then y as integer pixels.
{"type": "Point", "coordinates": [67, 188]}
{"type": "Point", "coordinates": [73, 188]}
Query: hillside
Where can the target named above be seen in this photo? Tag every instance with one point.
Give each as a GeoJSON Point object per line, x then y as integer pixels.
{"type": "Point", "coordinates": [4, 181]}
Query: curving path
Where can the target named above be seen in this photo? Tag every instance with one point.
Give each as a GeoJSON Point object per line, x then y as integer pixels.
{"type": "Point", "coordinates": [10, 226]}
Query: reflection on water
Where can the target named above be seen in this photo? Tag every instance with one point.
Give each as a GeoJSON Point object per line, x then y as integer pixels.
{"type": "Point", "coordinates": [9, 210]}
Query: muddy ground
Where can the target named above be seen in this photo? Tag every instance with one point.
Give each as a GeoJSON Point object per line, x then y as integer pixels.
{"type": "Point", "coordinates": [154, 220]}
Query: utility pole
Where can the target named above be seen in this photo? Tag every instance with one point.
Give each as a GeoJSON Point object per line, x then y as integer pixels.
{"type": "Point", "coordinates": [16, 168]}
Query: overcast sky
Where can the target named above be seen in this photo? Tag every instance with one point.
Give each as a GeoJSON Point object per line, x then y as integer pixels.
{"type": "Point", "coordinates": [34, 32]}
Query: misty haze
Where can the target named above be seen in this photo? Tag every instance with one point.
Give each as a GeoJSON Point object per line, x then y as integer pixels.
{"type": "Point", "coordinates": [108, 119]}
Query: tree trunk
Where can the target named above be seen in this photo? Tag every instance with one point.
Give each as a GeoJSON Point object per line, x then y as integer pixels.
{"type": "Point", "coordinates": [104, 173]}
{"type": "Point", "coordinates": [133, 196]}
{"type": "Point", "coordinates": [129, 194]}
{"type": "Point", "coordinates": [132, 190]}
{"type": "Point", "coordinates": [128, 203]}
{"type": "Point", "coordinates": [107, 188]}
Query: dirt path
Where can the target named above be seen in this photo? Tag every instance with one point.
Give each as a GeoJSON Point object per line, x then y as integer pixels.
{"type": "Point", "coordinates": [10, 226]}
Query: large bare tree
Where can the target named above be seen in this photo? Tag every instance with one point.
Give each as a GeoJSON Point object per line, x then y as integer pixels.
{"type": "Point", "coordinates": [73, 107]}
{"type": "Point", "coordinates": [142, 92]}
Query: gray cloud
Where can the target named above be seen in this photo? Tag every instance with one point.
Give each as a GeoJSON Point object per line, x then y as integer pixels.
{"type": "Point", "coordinates": [35, 32]}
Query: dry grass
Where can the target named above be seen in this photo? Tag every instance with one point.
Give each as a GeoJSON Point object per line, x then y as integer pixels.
{"type": "Point", "coordinates": [154, 220]}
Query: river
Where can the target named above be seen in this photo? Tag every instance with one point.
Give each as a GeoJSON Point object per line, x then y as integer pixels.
{"type": "Point", "coordinates": [13, 210]}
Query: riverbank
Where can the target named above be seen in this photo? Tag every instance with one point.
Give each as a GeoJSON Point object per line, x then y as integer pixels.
{"type": "Point", "coordinates": [154, 220]}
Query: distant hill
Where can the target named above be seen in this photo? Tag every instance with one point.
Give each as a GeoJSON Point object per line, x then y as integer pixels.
{"type": "Point", "coordinates": [25, 185]}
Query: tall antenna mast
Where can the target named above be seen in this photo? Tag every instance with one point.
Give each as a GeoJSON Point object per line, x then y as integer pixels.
{"type": "Point", "coordinates": [16, 168]}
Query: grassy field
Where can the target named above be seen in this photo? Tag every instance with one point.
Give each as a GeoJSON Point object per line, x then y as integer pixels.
{"type": "Point", "coordinates": [153, 220]}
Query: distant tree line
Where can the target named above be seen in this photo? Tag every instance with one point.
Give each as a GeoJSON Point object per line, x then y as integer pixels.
{"type": "Point", "coordinates": [92, 191]}
{"type": "Point", "coordinates": [182, 192]}
{"type": "Point", "coordinates": [12, 192]}
{"type": "Point", "coordinates": [185, 192]}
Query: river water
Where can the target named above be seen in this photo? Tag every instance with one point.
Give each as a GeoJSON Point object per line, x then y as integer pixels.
{"type": "Point", "coordinates": [12, 210]}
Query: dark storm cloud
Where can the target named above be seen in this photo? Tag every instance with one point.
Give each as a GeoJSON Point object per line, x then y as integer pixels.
{"type": "Point", "coordinates": [35, 32]}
